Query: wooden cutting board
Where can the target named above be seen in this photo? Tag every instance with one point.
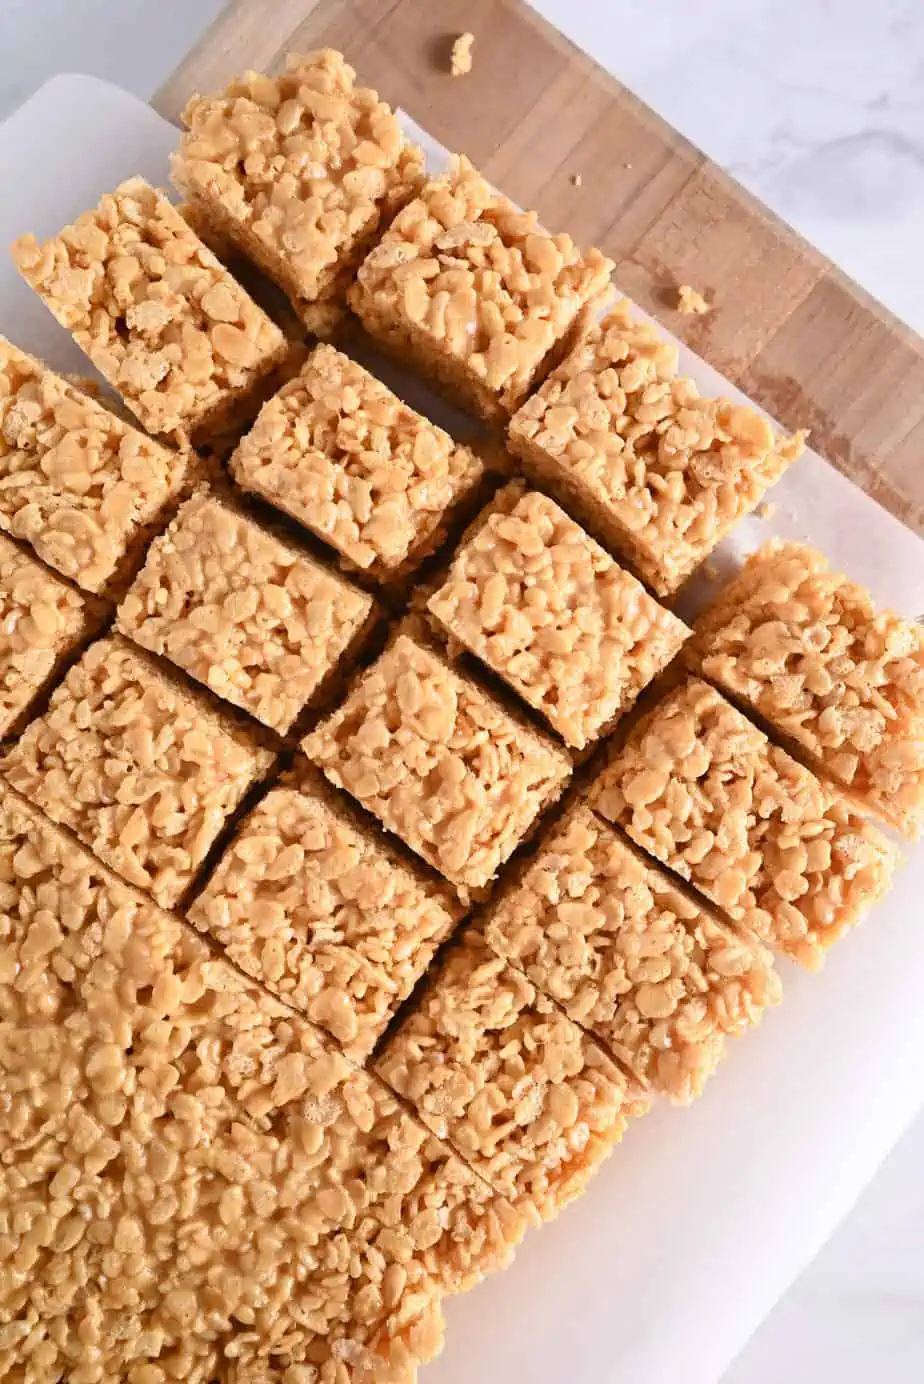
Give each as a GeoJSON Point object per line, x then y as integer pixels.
{"type": "Point", "coordinates": [787, 327]}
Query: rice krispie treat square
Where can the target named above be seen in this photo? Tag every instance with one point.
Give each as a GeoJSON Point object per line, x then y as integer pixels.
{"type": "Point", "coordinates": [310, 901]}
{"type": "Point", "coordinates": [842, 681]}
{"type": "Point", "coordinates": [299, 172]}
{"type": "Point", "coordinates": [548, 610]}
{"type": "Point", "coordinates": [243, 611]}
{"type": "Point", "coordinates": [702, 789]}
{"type": "Point", "coordinates": [530, 1102]}
{"type": "Point", "coordinates": [140, 769]}
{"type": "Point", "coordinates": [343, 455]}
{"type": "Point", "coordinates": [440, 763]}
{"type": "Point", "coordinates": [80, 485]}
{"type": "Point", "coordinates": [655, 470]}
{"type": "Point", "coordinates": [475, 293]}
{"type": "Point", "coordinates": [159, 316]}
{"type": "Point", "coordinates": [628, 955]}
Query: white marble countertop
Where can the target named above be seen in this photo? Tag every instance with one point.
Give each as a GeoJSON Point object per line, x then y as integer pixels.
{"type": "Point", "coordinates": [817, 106]}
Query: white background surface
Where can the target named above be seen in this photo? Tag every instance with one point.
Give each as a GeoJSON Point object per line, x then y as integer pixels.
{"type": "Point", "coordinates": [819, 108]}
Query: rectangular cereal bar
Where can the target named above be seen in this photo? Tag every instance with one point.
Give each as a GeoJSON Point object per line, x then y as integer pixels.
{"type": "Point", "coordinates": [475, 293]}
{"type": "Point", "coordinates": [342, 454]}
{"type": "Point", "coordinates": [76, 482]}
{"type": "Point", "coordinates": [160, 318]}
{"type": "Point", "coordinates": [140, 769]}
{"type": "Point", "coordinates": [703, 790]}
{"type": "Point", "coordinates": [530, 1101]}
{"type": "Point", "coordinates": [243, 611]}
{"type": "Point", "coordinates": [310, 901]}
{"type": "Point", "coordinates": [299, 172]}
{"type": "Point", "coordinates": [440, 763]}
{"type": "Point", "coordinates": [548, 610]}
{"type": "Point", "coordinates": [842, 681]}
{"type": "Point", "coordinates": [656, 471]}
{"type": "Point", "coordinates": [627, 954]}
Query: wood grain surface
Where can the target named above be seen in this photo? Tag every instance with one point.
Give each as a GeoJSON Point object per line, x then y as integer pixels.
{"type": "Point", "coordinates": [786, 326]}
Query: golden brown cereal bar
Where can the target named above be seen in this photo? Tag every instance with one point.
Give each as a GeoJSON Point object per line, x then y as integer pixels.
{"type": "Point", "coordinates": [342, 454]}
{"type": "Point", "coordinates": [702, 789]}
{"type": "Point", "coordinates": [76, 482]}
{"type": "Point", "coordinates": [308, 900]}
{"type": "Point", "coordinates": [658, 472]}
{"type": "Point", "coordinates": [299, 172]}
{"type": "Point", "coordinates": [645, 967]}
{"type": "Point", "coordinates": [548, 610]}
{"type": "Point", "coordinates": [474, 292]}
{"type": "Point", "coordinates": [243, 611]}
{"type": "Point", "coordinates": [155, 311]}
{"type": "Point", "coordinates": [497, 1069]}
{"type": "Point", "coordinates": [140, 769]}
{"type": "Point", "coordinates": [841, 680]}
{"type": "Point", "coordinates": [439, 762]}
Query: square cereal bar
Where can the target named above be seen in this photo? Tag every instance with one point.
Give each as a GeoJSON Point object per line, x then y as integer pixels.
{"type": "Point", "coordinates": [140, 769]}
{"type": "Point", "coordinates": [842, 681]}
{"type": "Point", "coordinates": [342, 454]}
{"type": "Point", "coordinates": [548, 610]}
{"type": "Point", "coordinates": [80, 485]}
{"type": "Point", "coordinates": [475, 293]}
{"type": "Point", "coordinates": [243, 611]}
{"type": "Point", "coordinates": [703, 790]}
{"type": "Point", "coordinates": [645, 967]}
{"type": "Point", "coordinates": [530, 1101]}
{"type": "Point", "coordinates": [440, 763]}
{"type": "Point", "coordinates": [658, 472]}
{"type": "Point", "coordinates": [310, 901]}
{"type": "Point", "coordinates": [299, 172]}
{"type": "Point", "coordinates": [155, 311]}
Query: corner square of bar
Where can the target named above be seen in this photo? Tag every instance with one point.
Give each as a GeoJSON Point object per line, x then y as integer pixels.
{"type": "Point", "coordinates": [299, 172]}
{"type": "Point", "coordinates": [549, 611]}
{"type": "Point", "coordinates": [657, 472]}
{"type": "Point", "coordinates": [440, 762]}
{"type": "Point", "coordinates": [474, 293]}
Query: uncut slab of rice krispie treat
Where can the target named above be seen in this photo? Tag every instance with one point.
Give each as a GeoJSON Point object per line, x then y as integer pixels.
{"type": "Point", "coordinates": [530, 1101]}
{"type": "Point", "coordinates": [299, 172]}
{"type": "Point", "coordinates": [159, 316]}
{"type": "Point", "coordinates": [441, 763]}
{"type": "Point", "coordinates": [342, 454]}
{"type": "Point", "coordinates": [839, 679]}
{"type": "Point", "coordinates": [310, 901]}
{"type": "Point", "coordinates": [144, 772]}
{"type": "Point", "coordinates": [475, 293]}
{"type": "Point", "coordinates": [243, 611]}
{"type": "Point", "coordinates": [655, 470]}
{"type": "Point", "coordinates": [80, 485]}
{"type": "Point", "coordinates": [644, 966]}
{"type": "Point", "coordinates": [703, 790]}
{"type": "Point", "coordinates": [548, 610]}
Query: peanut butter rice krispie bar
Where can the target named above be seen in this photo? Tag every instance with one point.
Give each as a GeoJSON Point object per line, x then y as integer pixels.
{"type": "Point", "coordinates": [243, 611]}
{"type": "Point", "coordinates": [144, 772]}
{"type": "Point", "coordinates": [310, 901]}
{"type": "Point", "coordinates": [531, 1102]}
{"type": "Point", "coordinates": [342, 454]}
{"type": "Point", "coordinates": [475, 293]}
{"type": "Point", "coordinates": [194, 1186]}
{"type": "Point", "coordinates": [159, 316]}
{"type": "Point", "coordinates": [842, 681]}
{"type": "Point", "coordinates": [80, 485]}
{"type": "Point", "coordinates": [702, 789]}
{"type": "Point", "coordinates": [655, 470]}
{"type": "Point", "coordinates": [299, 172]}
{"type": "Point", "coordinates": [628, 955]}
{"type": "Point", "coordinates": [548, 610]}
{"type": "Point", "coordinates": [441, 763]}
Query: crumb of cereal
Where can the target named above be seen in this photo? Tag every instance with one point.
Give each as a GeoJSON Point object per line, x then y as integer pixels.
{"type": "Point", "coordinates": [576, 180]}
{"type": "Point", "coordinates": [766, 510]}
{"type": "Point", "coordinates": [461, 62]}
{"type": "Point", "coordinates": [690, 302]}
